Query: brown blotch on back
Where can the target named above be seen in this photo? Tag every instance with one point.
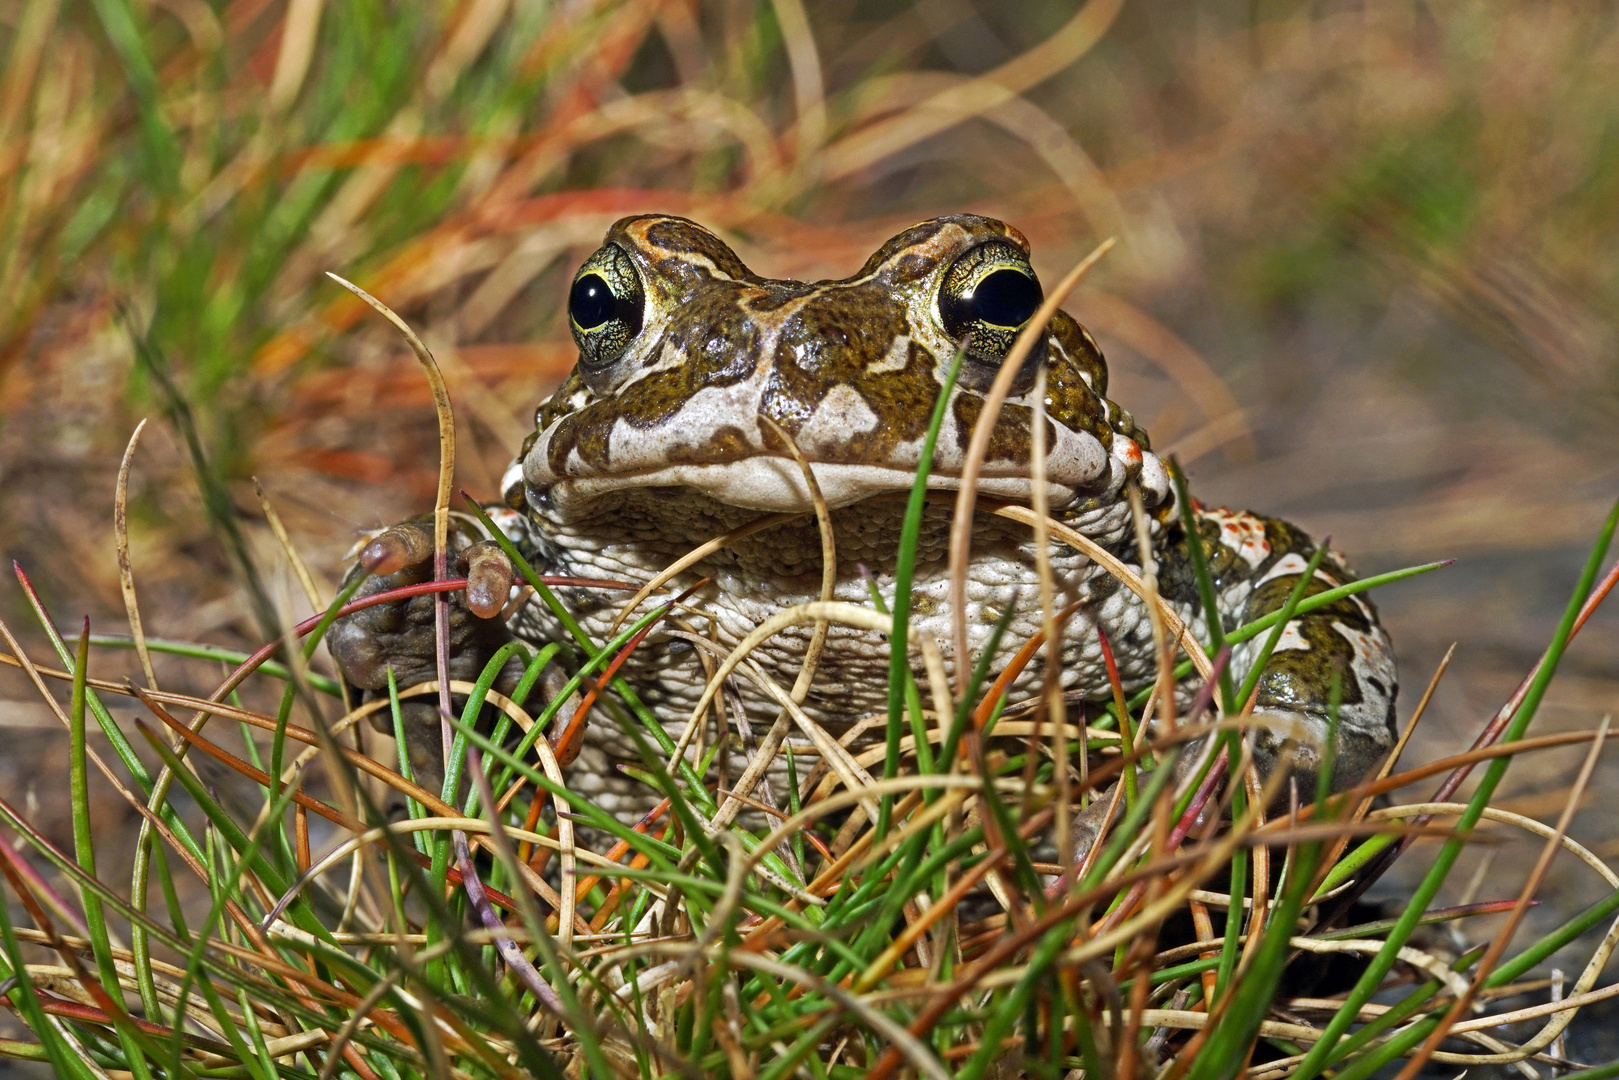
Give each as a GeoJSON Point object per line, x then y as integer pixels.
{"type": "Point", "coordinates": [1082, 350]}
{"type": "Point", "coordinates": [716, 345]}
{"type": "Point", "coordinates": [585, 431]}
{"type": "Point", "coordinates": [978, 229]}
{"type": "Point", "coordinates": [1070, 400]}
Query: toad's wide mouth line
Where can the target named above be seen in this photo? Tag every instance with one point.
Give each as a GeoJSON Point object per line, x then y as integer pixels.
{"type": "Point", "coordinates": [776, 484]}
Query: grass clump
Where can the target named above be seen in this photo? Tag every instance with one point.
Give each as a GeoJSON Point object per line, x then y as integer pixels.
{"type": "Point", "coordinates": [902, 920]}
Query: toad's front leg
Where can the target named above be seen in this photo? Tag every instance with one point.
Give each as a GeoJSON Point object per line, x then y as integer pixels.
{"type": "Point", "coordinates": [401, 635]}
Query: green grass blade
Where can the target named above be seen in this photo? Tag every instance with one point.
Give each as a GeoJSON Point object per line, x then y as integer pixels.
{"type": "Point", "coordinates": [233, 657]}
{"type": "Point", "coordinates": [95, 919]}
{"type": "Point", "coordinates": [899, 666]}
{"type": "Point", "coordinates": [62, 1056]}
{"type": "Point", "coordinates": [1205, 583]}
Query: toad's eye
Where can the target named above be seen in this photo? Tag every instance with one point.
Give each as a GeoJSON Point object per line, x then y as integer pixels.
{"type": "Point", "coordinates": [990, 292]}
{"type": "Point", "coordinates": [604, 306]}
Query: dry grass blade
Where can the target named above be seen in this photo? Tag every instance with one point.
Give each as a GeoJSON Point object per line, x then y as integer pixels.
{"type": "Point", "coordinates": [1127, 577]}
{"type": "Point", "coordinates": [823, 521]}
{"type": "Point", "coordinates": [1161, 634]}
{"type": "Point", "coordinates": [692, 558]}
{"type": "Point", "coordinates": [913, 1050]}
{"type": "Point", "coordinates": [1506, 817]}
{"type": "Point", "coordinates": [1055, 707]}
{"type": "Point", "coordinates": [446, 481]}
{"type": "Point", "coordinates": [300, 569]}
{"type": "Point", "coordinates": [950, 107]}
{"type": "Point", "coordinates": [126, 573]}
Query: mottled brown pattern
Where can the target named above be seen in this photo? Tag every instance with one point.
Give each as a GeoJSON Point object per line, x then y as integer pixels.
{"type": "Point", "coordinates": [1288, 539]}
{"type": "Point", "coordinates": [722, 345]}
{"type": "Point", "coordinates": [912, 237]}
{"type": "Point", "coordinates": [1072, 403]}
{"type": "Point", "coordinates": [586, 432]}
{"type": "Point", "coordinates": [1082, 350]}
{"type": "Point", "coordinates": [825, 338]}
{"type": "Point", "coordinates": [1294, 678]}
{"type": "Point", "coordinates": [829, 342]}
{"type": "Point", "coordinates": [557, 405]}
{"type": "Point", "coordinates": [1176, 579]}
{"type": "Point", "coordinates": [829, 334]}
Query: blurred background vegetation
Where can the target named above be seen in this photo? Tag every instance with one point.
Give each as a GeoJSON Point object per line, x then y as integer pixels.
{"type": "Point", "coordinates": [1366, 278]}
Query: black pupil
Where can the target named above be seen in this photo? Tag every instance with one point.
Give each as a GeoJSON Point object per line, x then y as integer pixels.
{"type": "Point", "coordinates": [591, 302]}
{"type": "Point", "coordinates": [1005, 298]}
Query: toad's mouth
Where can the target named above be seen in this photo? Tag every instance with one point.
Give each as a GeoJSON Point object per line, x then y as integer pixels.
{"type": "Point", "coordinates": [776, 484]}
{"type": "Point", "coordinates": [772, 483]}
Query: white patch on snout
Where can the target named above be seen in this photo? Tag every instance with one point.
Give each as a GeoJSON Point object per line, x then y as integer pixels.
{"type": "Point", "coordinates": [895, 359]}
{"type": "Point", "coordinates": [841, 413]}
{"type": "Point", "coordinates": [708, 411]}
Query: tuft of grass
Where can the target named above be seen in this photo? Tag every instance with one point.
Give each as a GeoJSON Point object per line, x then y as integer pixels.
{"type": "Point", "coordinates": [737, 951]}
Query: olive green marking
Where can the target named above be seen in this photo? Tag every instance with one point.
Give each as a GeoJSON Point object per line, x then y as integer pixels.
{"type": "Point", "coordinates": [1286, 539]}
{"type": "Point", "coordinates": [1012, 439]}
{"type": "Point", "coordinates": [558, 404]}
{"type": "Point", "coordinates": [910, 238]}
{"type": "Point", "coordinates": [845, 327]}
{"type": "Point", "coordinates": [1081, 348]}
{"type": "Point", "coordinates": [978, 230]}
{"type": "Point", "coordinates": [1072, 403]}
{"type": "Point", "coordinates": [1300, 679]}
{"type": "Point", "coordinates": [1227, 568]}
{"type": "Point", "coordinates": [586, 432]}
{"type": "Point", "coordinates": [718, 346]}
